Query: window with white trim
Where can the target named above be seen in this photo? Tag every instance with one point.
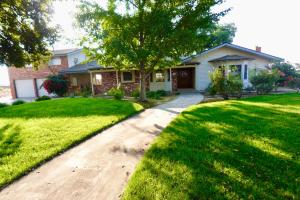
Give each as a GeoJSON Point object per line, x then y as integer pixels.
{"type": "Point", "coordinates": [127, 77]}
{"type": "Point", "coordinates": [98, 79]}
{"type": "Point", "coordinates": [159, 77]}
{"type": "Point", "coordinates": [56, 61]}
{"type": "Point", "coordinates": [74, 81]}
{"type": "Point", "coordinates": [245, 72]}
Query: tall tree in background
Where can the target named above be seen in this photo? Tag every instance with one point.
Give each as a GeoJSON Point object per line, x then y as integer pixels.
{"type": "Point", "coordinates": [221, 34]}
{"type": "Point", "coordinates": [146, 34]}
{"type": "Point", "coordinates": [24, 32]}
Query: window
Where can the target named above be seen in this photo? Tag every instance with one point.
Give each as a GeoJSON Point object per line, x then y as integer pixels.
{"type": "Point", "coordinates": [236, 69]}
{"type": "Point", "coordinates": [98, 79]}
{"type": "Point", "coordinates": [159, 77]}
{"type": "Point", "coordinates": [127, 77]}
{"type": "Point", "coordinates": [75, 61]}
{"type": "Point", "coordinates": [56, 61]}
{"type": "Point", "coordinates": [74, 81]}
{"type": "Point", "coordinates": [245, 72]}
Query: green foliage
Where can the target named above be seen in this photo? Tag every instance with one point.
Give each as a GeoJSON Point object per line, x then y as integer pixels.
{"type": "Point", "coordinates": [221, 34]}
{"type": "Point", "coordinates": [264, 82]}
{"type": "Point", "coordinates": [2, 105]}
{"type": "Point", "coordinates": [136, 93]}
{"type": "Point", "coordinates": [56, 84]}
{"type": "Point", "coordinates": [18, 102]}
{"type": "Point", "coordinates": [211, 90]}
{"type": "Point", "coordinates": [226, 85]}
{"type": "Point", "coordinates": [149, 35]}
{"type": "Point", "coordinates": [231, 150]}
{"type": "Point", "coordinates": [86, 92]}
{"type": "Point", "coordinates": [25, 33]}
{"type": "Point", "coordinates": [35, 132]}
{"type": "Point", "coordinates": [286, 71]}
{"type": "Point", "coordinates": [156, 94]}
{"type": "Point", "coordinates": [43, 98]}
{"type": "Point", "coordinates": [117, 93]}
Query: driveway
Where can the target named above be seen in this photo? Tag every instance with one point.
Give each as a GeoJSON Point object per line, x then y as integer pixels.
{"type": "Point", "coordinates": [100, 167]}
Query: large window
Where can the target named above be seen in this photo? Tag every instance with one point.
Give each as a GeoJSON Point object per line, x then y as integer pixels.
{"type": "Point", "coordinates": [98, 79]}
{"type": "Point", "coordinates": [159, 77]}
{"type": "Point", "coordinates": [236, 69]}
{"type": "Point", "coordinates": [127, 77]}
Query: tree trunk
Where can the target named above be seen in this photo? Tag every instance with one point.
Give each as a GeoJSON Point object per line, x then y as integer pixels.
{"type": "Point", "coordinates": [143, 96]}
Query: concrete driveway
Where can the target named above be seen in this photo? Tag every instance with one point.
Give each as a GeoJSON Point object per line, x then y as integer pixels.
{"type": "Point", "coordinates": [100, 167]}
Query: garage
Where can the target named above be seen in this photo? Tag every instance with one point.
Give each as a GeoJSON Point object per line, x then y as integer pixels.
{"type": "Point", "coordinates": [25, 88]}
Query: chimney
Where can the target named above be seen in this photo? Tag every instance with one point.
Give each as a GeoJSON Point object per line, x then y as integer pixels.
{"type": "Point", "coordinates": [258, 49]}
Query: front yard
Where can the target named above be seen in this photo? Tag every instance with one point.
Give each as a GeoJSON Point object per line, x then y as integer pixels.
{"type": "Point", "coordinates": [237, 149]}
{"type": "Point", "coordinates": [34, 132]}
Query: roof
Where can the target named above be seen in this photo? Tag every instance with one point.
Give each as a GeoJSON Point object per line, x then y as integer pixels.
{"type": "Point", "coordinates": [233, 46]}
{"type": "Point", "coordinates": [63, 52]}
{"type": "Point", "coordinates": [82, 68]}
{"type": "Point", "coordinates": [230, 58]}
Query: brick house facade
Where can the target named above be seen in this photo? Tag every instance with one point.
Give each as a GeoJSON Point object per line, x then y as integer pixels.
{"type": "Point", "coordinates": [32, 74]}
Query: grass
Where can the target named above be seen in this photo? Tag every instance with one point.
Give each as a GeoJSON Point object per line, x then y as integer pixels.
{"type": "Point", "coordinates": [237, 149]}
{"type": "Point", "coordinates": [153, 102]}
{"type": "Point", "coordinates": [35, 132]}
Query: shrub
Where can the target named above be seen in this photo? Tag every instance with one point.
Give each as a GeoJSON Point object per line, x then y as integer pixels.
{"type": "Point", "coordinates": [136, 93]}
{"type": "Point", "coordinates": [56, 84]}
{"type": "Point", "coordinates": [211, 90]}
{"type": "Point", "coordinates": [18, 102]}
{"type": "Point", "coordinates": [43, 98]}
{"type": "Point", "coordinates": [153, 95]}
{"type": "Point", "coordinates": [162, 93]}
{"type": "Point", "coordinates": [264, 81]}
{"type": "Point", "coordinates": [2, 105]}
{"type": "Point", "coordinates": [117, 93]}
{"type": "Point", "coordinates": [86, 91]}
{"type": "Point", "coordinates": [225, 85]}
{"type": "Point", "coordinates": [287, 73]}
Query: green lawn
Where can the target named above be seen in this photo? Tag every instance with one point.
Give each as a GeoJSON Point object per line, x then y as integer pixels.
{"type": "Point", "coordinates": [34, 132]}
{"type": "Point", "coordinates": [238, 149]}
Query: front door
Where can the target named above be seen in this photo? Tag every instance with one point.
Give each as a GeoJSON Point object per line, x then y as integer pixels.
{"type": "Point", "coordinates": [185, 78]}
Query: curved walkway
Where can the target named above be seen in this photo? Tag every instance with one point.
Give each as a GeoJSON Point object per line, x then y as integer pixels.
{"type": "Point", "coordinates": [100, 167]}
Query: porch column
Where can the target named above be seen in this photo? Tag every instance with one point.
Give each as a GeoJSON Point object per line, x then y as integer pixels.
{"type": "Point", "coordinates": [91, 77]}
{"type": "Point", "coordinates": [171, 80]}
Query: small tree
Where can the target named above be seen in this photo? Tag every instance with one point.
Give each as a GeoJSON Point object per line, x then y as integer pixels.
{"type": "Point", "coordinates": [56, 84]}
{"type": "Point", "coordinates": [149, 35]}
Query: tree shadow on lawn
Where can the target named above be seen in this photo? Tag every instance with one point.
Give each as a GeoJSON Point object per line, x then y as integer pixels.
{"type": "Point", "coordinates": [69, 107]}
{"type": "Point", "coordinates": [9, 140]}
{"type": "Point", "coordinates": [232, 151]}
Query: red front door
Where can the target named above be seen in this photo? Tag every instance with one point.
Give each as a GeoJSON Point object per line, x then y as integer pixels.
{"type": "Point", "coordinates": [185, 78]}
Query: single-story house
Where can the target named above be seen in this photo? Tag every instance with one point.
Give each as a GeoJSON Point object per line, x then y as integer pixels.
{"type": "Point", "coordinates": [192, 74]}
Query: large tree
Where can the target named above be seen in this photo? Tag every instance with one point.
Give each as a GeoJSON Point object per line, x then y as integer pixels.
{"type": "Point", "coordinates": [25, 34]}
{"type": "Point", "coordinates": [146, 34]}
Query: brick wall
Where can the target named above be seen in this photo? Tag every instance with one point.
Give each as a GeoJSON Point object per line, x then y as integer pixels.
{"type": "Point", "coordinates": [30, 73]}
{"type": "Point", "coordinates": [109, 80]}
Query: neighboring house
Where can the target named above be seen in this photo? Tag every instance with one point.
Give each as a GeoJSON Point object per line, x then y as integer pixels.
{"type": "Point", "coordinates": [27, 82]}
{"type": "Point", "coordinates": [192, 74]}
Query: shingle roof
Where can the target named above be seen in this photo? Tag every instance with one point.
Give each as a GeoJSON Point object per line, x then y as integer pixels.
{"type": "Point", "coordinates": [240, 48]}
{"type": "Point", "coordinates": [82, 68]}
{"type": "Point", "coordinates": [231, 57]}
{"type": "Point", "coordinates": [62, 52]}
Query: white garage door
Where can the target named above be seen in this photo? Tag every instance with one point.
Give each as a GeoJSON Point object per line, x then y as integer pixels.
{"type": "Point", "coordinates": [41, 89]}
{"type": "Point", "coordinates": [25, 88]}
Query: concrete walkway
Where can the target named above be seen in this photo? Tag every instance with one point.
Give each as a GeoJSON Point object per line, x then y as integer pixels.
{"type": "Point", "coordinates": [100, 167]}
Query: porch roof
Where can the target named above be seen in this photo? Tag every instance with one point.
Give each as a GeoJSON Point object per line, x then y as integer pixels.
{"type": "Point", "coordinates": [82, 68]}
{"type": "Point", "coordinates": [231, 58]}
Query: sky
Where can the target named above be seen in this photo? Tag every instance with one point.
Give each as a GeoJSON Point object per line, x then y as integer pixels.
{"type": "Point", "coordinates": [271, 24]}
